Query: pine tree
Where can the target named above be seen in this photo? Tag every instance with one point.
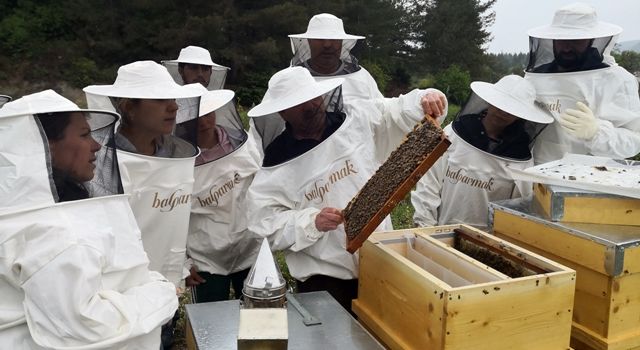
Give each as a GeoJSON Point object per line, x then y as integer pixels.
{"type": "Point", "coordinates": [453, 32]}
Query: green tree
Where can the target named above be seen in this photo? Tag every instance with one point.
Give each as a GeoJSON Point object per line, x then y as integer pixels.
{"type": "Point", "coordinates": [454, 82]}
{"type": "Point", "coordinates": [452, 32]}
{"type": "Point", "coordinates": [630, 60]}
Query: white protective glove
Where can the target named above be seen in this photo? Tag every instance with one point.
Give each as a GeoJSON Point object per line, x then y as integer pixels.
{"type": "Point", "coordinates": [581, 123]}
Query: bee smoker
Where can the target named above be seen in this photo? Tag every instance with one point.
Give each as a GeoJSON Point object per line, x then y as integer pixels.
{"type": "Point", "coordinates": [263, 311]}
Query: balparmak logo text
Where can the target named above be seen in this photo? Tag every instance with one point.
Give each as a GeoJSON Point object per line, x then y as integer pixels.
{"type": "Point", "coordinates": [176, 198]}
{"type": "Point", "coordinates": [216, 192]}
{"type": "Point", "coordinates": [321, 187]}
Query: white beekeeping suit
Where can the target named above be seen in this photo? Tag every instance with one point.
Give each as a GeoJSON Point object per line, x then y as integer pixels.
{"type": "Point", "coordinates": [475, 169]}
{"type": "Point", "coordinates": [73, 274]}
{"type": "Point", "coordinates": [287, 194]}
{"type": "Point", "coordinates": [594, 100]}
{"type": "Point", "coordinates": [219, 241]}
{"type": "Point", "coordinates": [160, 185]}
{"type": "Point", "coordinates": [197, 56]}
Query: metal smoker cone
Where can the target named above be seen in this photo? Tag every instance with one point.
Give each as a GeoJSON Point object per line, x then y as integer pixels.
{"type": "Point", "coordinates": [264, 286]}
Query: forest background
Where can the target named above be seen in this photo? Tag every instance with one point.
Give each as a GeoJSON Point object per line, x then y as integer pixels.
{"type": "Point", "coordinates": [66, 45]}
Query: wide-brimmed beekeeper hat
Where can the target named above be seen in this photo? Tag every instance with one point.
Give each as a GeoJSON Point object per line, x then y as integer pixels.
{"type": "Point", "coordinates": [196, 55]}
{"type": "Point", "coordinates": [291, 87]}
{"type": "Point", "coordinates": [214, 99]}
{"type": "Point", "coordinates": [145, 79]}
{"type": "Point", "coordinates": [514, 95]}
{"type": "Point", "coordinates": [325, 26]}
{"type": "Point", "coordinates": [573, 22]}
{"type": "Point", "coordinates": [48, 101]}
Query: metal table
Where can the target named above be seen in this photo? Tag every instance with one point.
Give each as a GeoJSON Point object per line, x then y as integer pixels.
{"type": "Point", "coordinates": [215, 325]}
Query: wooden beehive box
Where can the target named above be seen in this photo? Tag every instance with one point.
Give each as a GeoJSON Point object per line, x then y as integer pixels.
{"type": "Point", "coordinates": [606, 259]}
{"type": "Point", "coordinates": [422, 289]}
{"type": "Point", "coordinates": [574, 205]}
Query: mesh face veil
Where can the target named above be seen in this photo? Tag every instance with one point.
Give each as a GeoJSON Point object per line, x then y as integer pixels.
{"type": "Point", "coordinates": [106, 177]}
{"type": "Point", "coordinates": [216, 80]}
{"type": "Point", "coordinates": [270, 126]}
{"type": "Point", "coordinates": [199, 58]}
{"type": "Point", "coordinates": [150, 102]}
{"type": "Point", "coordinates": [502, 119]}
{"type": "Point", "coordinates": [575, 55]}
{"type": "Point", "coordinates": [59, 152]}
{"type": "Point", "coordinates": [4, 99]}
{"type": "Point", "coordinates": [218, 131]}
{"type": "Point", "coordinates": [302, 56]}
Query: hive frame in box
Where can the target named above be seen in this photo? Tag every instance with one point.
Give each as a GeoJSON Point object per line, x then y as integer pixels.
{"type": "Point", "coordinates": [409, 307]}
{"type": "Point", "coordinates": [400, 192]}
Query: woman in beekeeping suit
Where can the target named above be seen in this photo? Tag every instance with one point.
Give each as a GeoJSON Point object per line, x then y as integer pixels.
{"type": "Point", "coordinates": [73, 273]}
{"type": "Point", "coordinates": [219, 244]}
{"type": "Point", "coordinates": [156, 167]}
{"type": "Point", "coordinates": [317, 156]}
{"type": "Point", "coordinates": [493, 132]}
{"type": "Point", "coordinates": [594, 100]}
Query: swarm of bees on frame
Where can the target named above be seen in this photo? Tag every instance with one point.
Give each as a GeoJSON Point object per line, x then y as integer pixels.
{"type": "Point", "coordinates": [390, 175]}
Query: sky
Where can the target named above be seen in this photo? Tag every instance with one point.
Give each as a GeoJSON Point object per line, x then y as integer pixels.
{"type": "Point", "coordinates": [515, 17]}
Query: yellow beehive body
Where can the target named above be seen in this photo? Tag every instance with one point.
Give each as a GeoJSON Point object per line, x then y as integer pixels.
{"type": "Point", "coordinates": [580, 207]}
{"type": "Point", "coordinates": [607, 300]}
{"type": "Point", "coordinates": [410, 307]}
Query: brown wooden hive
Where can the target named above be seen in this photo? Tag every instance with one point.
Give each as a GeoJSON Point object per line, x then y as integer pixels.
{"type": "Point", "coordinates": [392, 181]}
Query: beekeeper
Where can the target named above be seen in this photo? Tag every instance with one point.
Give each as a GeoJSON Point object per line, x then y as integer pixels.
{"type": "Point", "coordinates": [594, 101]}
{"type": "Point", "coordinates": [73, 275]}
{"type": "Point", "coordinates": [494, 132]}
{"type": "Point", "coordinates": [4, 99]}
{"type": "Point", "coordinates": [219, 244]}
{"type": "Point", "coordinates": [316, 158]}
{"type": "Point", "coordinates": [156, 166]}
{"type": "Point", "coordinates": [194, 65]}
{"type": "Point", "coordinates": [325, 50]}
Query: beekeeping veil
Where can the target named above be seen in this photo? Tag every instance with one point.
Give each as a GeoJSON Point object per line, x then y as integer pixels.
{"type": "Point", "coordinates": [288, 88]}
{"type": "Point", "coordinates": [575, 30]}
{"type": "Point", "coordinates": [218, 120]}
{"type": "Point", "coordinates": [160, 187]}
{"type": "Point", "coordinates": [28, 177]}
{"type": "Point", "coordinates": [511, 94]}
{"type": "Point", "coordinates": [4, 99]}
{"type": "Point", "coordinates": [201, 56]}
{"type": "Point", "coordinates": [330, 27]}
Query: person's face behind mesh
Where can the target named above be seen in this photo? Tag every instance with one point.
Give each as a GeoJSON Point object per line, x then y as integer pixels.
{"type": "Point", "coordinates": [75, 153]}
{"type": "Point", "coordinates": [153, 117]}
{"type": "Point", "coordinates": [195, 73]}
{"type": "Point", "coordinates": [325, 55]}
{"type": "Point", "coordinates": [570, 53]}
{"type": "Point", "coordinates": [307, 117]}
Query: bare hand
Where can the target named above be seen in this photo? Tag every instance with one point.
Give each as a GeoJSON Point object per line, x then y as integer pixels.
{"type": "Point", "coordinates": [194, 279]}
{"type": "Point", "coordinates": [328, 219]}
{"type": "Point", "coordinates": [434, 104]}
